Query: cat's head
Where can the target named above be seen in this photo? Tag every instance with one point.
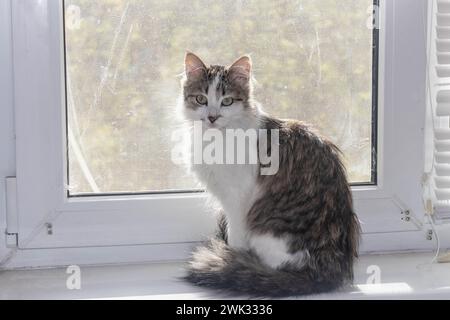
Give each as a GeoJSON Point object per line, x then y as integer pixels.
{"type": "Point", "coordinates": [218, 96]}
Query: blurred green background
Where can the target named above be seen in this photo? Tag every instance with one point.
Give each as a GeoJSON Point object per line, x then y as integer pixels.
{"type": "Point", "coordinates": [312, 60]}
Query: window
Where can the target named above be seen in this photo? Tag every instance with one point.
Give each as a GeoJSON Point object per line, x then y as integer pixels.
{"type": "Point", "coordinates": [314, 60]}
{"type": "Point", "coordinates": [111, 70]}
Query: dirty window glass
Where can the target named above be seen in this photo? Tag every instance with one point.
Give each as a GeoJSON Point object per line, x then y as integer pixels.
{"type": "Point", "coordinates": [313, 61]}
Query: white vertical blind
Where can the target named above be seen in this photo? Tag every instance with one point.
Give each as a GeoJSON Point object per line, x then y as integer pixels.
{"type": "Point", "coordinates": [438, 179]}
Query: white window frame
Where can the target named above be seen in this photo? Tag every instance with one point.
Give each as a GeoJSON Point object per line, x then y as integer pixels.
{"type": "Point", "coordinates": [56, 230]}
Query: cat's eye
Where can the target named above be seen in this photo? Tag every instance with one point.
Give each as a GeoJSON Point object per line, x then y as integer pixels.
{"type": "Point", "coordinates": [202, 100]}
{"type": "Point", "coordinates": [226, 102]}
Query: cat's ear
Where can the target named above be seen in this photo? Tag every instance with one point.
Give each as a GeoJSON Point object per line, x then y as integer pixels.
{"type": "Point", "coordinates": [193, 66]}
{"type": "Point", "coordinates": [241, 69]}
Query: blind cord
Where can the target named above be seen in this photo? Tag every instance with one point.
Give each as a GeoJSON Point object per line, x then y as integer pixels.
{"type": "Point", "coordinates": [429, 210]}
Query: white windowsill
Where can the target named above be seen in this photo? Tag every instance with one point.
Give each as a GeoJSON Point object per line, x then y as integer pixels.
{"type": "Point", "coordinates": [401, 278]}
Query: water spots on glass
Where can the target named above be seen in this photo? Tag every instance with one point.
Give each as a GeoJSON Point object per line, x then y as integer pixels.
{"type": "Point", "coordinates": [312, 62]}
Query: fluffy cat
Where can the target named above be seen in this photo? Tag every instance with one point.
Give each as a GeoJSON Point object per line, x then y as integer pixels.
{"type": "Point", "coordinates": [291, 233]}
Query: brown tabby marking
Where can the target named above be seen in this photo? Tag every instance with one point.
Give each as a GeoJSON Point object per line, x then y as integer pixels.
{"type": "Point", "coordinates": [308, 203]}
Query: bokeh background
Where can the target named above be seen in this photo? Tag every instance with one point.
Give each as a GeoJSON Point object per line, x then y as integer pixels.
{"type": "Point", "coordinates": [312, 61]}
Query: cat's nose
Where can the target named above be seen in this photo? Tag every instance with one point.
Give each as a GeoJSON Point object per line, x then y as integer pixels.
{"type": "Point", "coordinates": [212, 119]}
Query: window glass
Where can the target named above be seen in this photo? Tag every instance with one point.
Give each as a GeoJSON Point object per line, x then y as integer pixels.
{"type": "Point", "coordinates": [313, 60]}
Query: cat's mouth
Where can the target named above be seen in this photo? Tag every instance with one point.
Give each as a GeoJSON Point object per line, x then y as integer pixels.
{"type": "Point", "coordinates": [212, 125]}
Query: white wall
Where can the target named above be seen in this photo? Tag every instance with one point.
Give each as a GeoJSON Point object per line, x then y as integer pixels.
{"type": "Point", "coordinates": [7, 146]}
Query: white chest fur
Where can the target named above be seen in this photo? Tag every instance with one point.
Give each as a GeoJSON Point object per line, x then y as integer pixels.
{"type": "Point", "coordinates": [235, 187]}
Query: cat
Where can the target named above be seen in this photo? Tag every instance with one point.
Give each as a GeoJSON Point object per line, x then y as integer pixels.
{"type": "Point", "coordinates": [286, 234]}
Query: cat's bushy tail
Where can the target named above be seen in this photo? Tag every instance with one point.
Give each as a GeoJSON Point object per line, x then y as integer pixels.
{"type": "Point", "coordinates": [217, 266]}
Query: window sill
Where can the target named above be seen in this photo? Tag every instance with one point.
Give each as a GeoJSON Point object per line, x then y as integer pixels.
{"type": "Point", "coordinates": [402, 277]}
